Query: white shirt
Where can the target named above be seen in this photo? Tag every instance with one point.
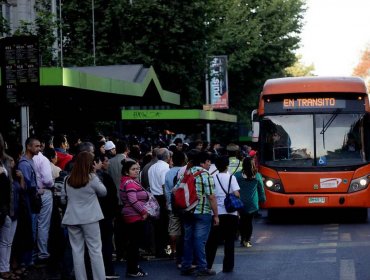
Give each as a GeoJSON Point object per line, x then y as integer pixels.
{"type": "Point", "coordinates": [157, 175]}
{"type": "Point", "coordinates": [220, 194]}
{"type": "Point", "coordinates": [43, 171]}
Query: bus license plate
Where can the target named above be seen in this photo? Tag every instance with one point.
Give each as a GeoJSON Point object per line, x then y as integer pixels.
{"type": "Point", "coordinates": [316, 200]}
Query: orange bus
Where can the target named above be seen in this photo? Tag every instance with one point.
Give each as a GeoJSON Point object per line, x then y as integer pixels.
{"type": "Point", "coordinates": [314, 143]}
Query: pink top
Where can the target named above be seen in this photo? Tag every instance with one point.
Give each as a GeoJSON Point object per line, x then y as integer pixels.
{"type": "Point", "coordinates": [133, 198]}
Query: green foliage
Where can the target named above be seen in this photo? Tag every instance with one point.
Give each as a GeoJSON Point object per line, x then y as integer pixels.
{"type": "Point", "coordinates": [4, 26]}
{"type": "Point", "coordinates": [43, 27]}
{"type": "Point", "coordinates": [299, 69]}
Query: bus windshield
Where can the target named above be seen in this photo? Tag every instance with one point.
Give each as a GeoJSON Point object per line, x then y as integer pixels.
{"type": "Point", "coordinates": [309, 140]}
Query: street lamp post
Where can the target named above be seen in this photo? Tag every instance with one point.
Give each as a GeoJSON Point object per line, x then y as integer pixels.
{"type": "Point", "coordinates": [61, 33]}
{"type": "Point", "coordinates": [93, 29]}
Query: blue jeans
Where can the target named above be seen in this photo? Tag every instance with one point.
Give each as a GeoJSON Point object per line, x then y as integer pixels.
{"type": "Point", "coordinates": [41, 224]}
{"type": "Point", "coordinates": [196, 228]}
{"type": "Point", "coordinates": [7, 232]}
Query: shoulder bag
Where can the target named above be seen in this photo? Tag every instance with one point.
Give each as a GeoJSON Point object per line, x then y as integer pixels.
{"type": "Point", "coordinates": [231, 201]}
{"type": "Point", "coordinates": [151, 205]}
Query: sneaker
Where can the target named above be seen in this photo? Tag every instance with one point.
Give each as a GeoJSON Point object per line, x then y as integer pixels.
{"type": "Point", "coordinates": [137, 274]}
{"type": "Point", "coordinates": [206, 272]}
{"type": "Point", "coordinates": [115, 276]}
{"type": "Point", "coordinates": [247, 244]}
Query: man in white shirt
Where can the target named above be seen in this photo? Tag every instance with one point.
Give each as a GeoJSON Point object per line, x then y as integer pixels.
{"type": "Point", "coordinates": [157, 174]}
{"type": "Point", "coordinates": [45, 182]}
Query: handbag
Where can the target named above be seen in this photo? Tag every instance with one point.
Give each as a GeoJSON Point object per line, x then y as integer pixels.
{"type": "Point", "coordinates": [152, 206]}
{"type": "Point", "coordinates": [232, 202]}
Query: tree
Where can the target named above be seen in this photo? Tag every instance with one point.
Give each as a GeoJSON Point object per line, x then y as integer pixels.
{"type": "Point", "coordinates": [259, 37]}
{"type": "Point", "coordinates": [298, 69]}
{"type": "Point", "coordinates": [363, 67]}
{"type": "Point", "coordinates": [4, 25]}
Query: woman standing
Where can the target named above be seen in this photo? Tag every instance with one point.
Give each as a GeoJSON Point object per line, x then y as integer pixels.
{"type": "Point", "coordinates": [83, 214]}
{"type": "Point", "coordinates": [251, 194]}
{"type": "Point", "coordinates": [133, 197]}
{"type": "Point", "coordinates": [226, 231]}
{"type": "Point", "coordinates": [7, 223]}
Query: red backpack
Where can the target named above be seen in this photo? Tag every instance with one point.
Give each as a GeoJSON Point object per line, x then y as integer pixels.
{"type": "Point", "coordinates": [184, 194]}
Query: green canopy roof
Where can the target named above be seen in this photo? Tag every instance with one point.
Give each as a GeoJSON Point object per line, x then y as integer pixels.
{"type": "Point", "coordinates": [127, 80]}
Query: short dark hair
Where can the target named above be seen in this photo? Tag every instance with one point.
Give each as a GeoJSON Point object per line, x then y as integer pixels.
{"type": "Point", "coordinates": [178, 158]}
{"type": "Point", "coordinates": [193, 157]}
{"type": "Point", "coordinates": [49, 153]}
{"type": "Point", "coordinates": [177, 141]}
{"type": "Point", "coordinates": [59, 140]}
{"type": "Point", "coordinates": [222, 163]}
{"type": "Point", "coordinates": [204, 156]}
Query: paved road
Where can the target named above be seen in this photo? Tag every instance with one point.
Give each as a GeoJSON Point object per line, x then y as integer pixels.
{"type": "Point", "coordinates": [315, 248]}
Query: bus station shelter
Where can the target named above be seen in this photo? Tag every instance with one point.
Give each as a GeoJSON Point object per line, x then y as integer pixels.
{"type": "Point", "coordinates": [76, 98]}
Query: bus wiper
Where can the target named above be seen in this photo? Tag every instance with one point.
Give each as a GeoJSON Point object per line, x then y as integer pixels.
{"type": "Point", "coordinates": [326, 126]}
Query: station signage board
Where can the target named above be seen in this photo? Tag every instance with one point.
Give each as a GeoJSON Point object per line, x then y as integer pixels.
{"type": "Point", "coordinates": [20, 65]}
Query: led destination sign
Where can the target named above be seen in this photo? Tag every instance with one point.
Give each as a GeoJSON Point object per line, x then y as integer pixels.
{"type": "Point", "coordinates": [310, 103]}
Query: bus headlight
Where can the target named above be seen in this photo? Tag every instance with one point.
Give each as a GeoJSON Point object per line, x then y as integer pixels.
{"type": "Point", "coordinates": [359, 184]}
{"type": "Point", "coordinates": [273, 185]}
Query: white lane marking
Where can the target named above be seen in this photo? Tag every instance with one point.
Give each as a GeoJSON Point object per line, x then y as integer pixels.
{"type": "Point", "coordinates": [331, 227]}
{"type": "Point", "coordinates": [331, 233]}
{"type": "Point", "coordinates": [323, 260]}
{"type": "Point", "coordinates": [327, 251]}
{"type": "Point", "coordinates": [347, 270]}
{"type": "Point", "coordinates": [262, 238]}
{"type": "Point", "coordinates": [346, 236]}
{"type": "Point", "coordinates": [329, 238]}
{"type": "Point", "coordinates": [328, 244]}
{"type": "Point", "coordinates": [217, 267]}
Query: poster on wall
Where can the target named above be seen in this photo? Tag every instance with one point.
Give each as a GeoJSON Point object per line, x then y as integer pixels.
{"type": "Point", "coordinates": [219, 91]}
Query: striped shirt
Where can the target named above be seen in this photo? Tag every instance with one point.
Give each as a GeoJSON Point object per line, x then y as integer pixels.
{"type": "Point", "coordinates": [133, 198]}
{"type": "Point", "coordinates": [205, 186]}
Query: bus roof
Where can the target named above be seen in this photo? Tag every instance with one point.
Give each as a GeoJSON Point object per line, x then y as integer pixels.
{"type": "Point", "coordinates": [314, 84]}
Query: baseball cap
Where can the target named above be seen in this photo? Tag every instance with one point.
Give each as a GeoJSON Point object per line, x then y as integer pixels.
{"type": "Point", "coordinates": [109, 145]}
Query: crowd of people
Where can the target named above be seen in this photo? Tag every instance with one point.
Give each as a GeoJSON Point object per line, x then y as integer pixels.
{"type": "Point", "coordinates": [73, 205]}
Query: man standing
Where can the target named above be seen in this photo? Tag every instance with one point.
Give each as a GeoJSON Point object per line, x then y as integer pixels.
{"type": "Point", "coordinates": [27, 167]}
{"type": "Point", "coordinates": [198, 225]}
{"type": "Point", "coordinates": [156, 174]}
{"type": "Point", "coordinates": [115, 171]}
{"type": "Point", "coordinates": [45, 182]}
{"type": "Point", "coordinates": [115, 165]}
{"type": "Point", "coordinates": [144, 173]}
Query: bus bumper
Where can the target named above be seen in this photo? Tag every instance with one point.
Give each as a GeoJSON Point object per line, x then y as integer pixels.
{"type": "Point", "coordinates": [359, 199]}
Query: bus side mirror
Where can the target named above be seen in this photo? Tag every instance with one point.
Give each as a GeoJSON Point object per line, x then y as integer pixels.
{"type": "Point", "coordinates": [255, 126]}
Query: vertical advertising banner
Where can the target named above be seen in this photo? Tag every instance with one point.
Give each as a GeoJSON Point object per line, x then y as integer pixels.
{"type": "Point", "coordinates": [218, 86]}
